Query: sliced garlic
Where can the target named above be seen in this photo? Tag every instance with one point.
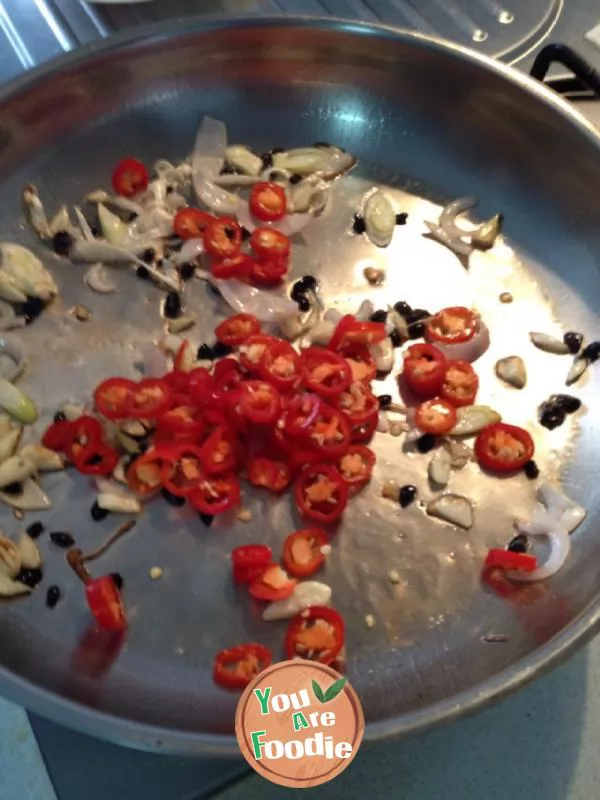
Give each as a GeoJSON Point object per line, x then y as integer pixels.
{"type": "Point", "coordinates": [578, 367]}
{"type": "Point", "coordinates": [549, 344]}
{"type": "Point", "coordinates": [5, 425]}
{"type": "Point", "coordinates": [98, 280]}
{"type": "Point", "coordinates": [305, 594]}
{"type": "Point", "coordinates": [512, 370]}
{"type": "Point", "coordinates": [119, 471]}
{"type": "Point", "coordinates": [243, 159]}
{"type": "Point", "coordinates": [10, 558]}
{"type": "Point", "coordinates": [471, 419]}
{"type": "Point", "coordinates": [10, 588]}
{"type": "Point", "coordinates": [119, 502]}
{"type": "Point", "coordinates": [182, 323]}
{"type": "Point", "coordinates": [31, 498]}
{"type": "Point", "coordinates": [9, 443]}
{"type": "Point", "coordinates": [380, 219]}
{"type": "Point", "coordinates": [113, 228]}
{"type": "Point", "coordinates": [460, 453]}
{"type": "Point", "coordinates": [486, 234]}
{"type": "Point", "coordinates": [440, 467]}
{"type": "Point", "coordinates": [42, 458]}
{"type": "Point", "coordinates": [453, 508]}
{"type": "Point", "coordinates": [15, 470]}
{"type": "Point", "coordinates": [30, 555]}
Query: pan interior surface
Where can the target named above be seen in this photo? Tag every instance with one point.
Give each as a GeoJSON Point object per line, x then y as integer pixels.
{"type": "Point", "coordinates": [430, 125]}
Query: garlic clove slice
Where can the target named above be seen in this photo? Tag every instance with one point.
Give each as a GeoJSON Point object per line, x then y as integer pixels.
{"type": "Point", "coordinates": [10, 588]}
{"type": "Point", "coordinates": [9, 442]}
{"type": "Point", "coordinates": [549, 344]}
{"type": "Point", "coordinates": [30, 555]}
{"type": "Point", "coordinates": [380, 219]}
{"type": "Point", "coordinates": [42, 458]}
{"type": "Point", "coordinates": [10, 558]}
{"type": "Point", "coordinates": [440, 467]}
{"type": "Point", "coordinates": [119, 502]}
{"type": "Point", "coordinates": [31, 497]}
{"type": "Point", "coordinates": [16, 469]}
{"type": "Point", "coordinates": [471, 419]}
{"type": "Point", "coordinates": [512, 370]}
{"type": "Point", "coordinates": [453, 508]}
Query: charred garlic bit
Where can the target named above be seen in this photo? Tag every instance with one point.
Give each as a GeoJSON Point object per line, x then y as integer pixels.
{"type": "Point", "coordinates": [549, 344]}
{"type": "Point", "coordinates": [531, 470]}
{"type": "Point", "coordinates": [506, 297]}
{"type": "Point", "coordinates": [425, 443]}
{"type": "Point", "coordinates": [471, 419]}
{"type": "Point", "coordinates": [98, 280]}
{"type": "Point", "coordinates": [440, 467]}
{"type": "Point", "coordinates": [407, 495]}
{"type": "Point", "coordinates": [453, 508]}
{"type": "Point", "coordinates": [172, 305]}
{"type": "Point", "coordinates": [374, 276]}
{"type": "Point", "coordinates": [81, 313]}
{"type": "Point", "coordinates": [512, 371]}
{"type": "Point", "coordinates": [380, 219]}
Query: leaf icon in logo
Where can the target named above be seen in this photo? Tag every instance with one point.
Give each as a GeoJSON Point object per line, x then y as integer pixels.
{"type": "Point", "coordinates": [332, 692]}
{"type": "Point", "coordinates": [318, 692]}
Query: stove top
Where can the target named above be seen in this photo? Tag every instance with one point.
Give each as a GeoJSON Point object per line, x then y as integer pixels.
{"type": "Point", "coordinates": [33, 31]}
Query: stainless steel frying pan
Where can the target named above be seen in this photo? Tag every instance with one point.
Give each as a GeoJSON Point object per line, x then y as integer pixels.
{"type": "Point", "coordinates": [431, 122]}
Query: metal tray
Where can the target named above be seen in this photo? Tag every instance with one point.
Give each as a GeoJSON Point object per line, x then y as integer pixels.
{"type": "Point", "coordinates": [483, 130]}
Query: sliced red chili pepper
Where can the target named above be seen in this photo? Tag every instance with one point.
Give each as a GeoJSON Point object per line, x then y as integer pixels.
{"type": "Point", "coordinates": [249, 561]}
{"type": "Point", "coordinates": [452, 325]}
{"type": "Point", "coordinates": [360, 361]}
{"type": "Point", "coordinates": [150, 399]}
{"type": "Point", "coordinates": [321, 494]}
{"type": "Point", "coordinates": [460, 384]}
{"type": "Point", "coordinates": [358, 403]}
{"type": "Point", "coordinates": [104, 601]}
{"type": "Point", "coordinates": [238, 266]}
{"type": "Point", "coordinates": [270, 244]}
{"type": "Point", "coordinates": [503, 448]}
{"type": "Point", "coordinates": [200, 383]}
{"type": "Point", "coordinates": [349, 330]}
{"type": "Point", "coordinates": [182, 473]}
{"type": "Point", "coordinates": [237, 667]}
{"type": "Point", "coordinates": [507, 560]}
{"type": "Point", "coordinates": [112, 397]}
{"type": "Point", "coordinates": [223, 238]}
{"type": "Point", "coordinates": [300, 412]}
{"type": "Point", "coordinates": [58, 436]}
{"type": "Point", "coordinates": [273, 584]}
{"type": "Point", "coordinates": [216, 495]}
{"type": "Point", "coordinates": [329, 434]}
{"type": "Point", "coordinates": [268, 272]}
{"type": "Point", "coordinates": [190, 223]}
{"type": "Point", "coordinates": [435, 416]}
{"type": "Point", "coordinates": [251, 352]}
{"type": "Point", "coordinates": [221, 452]}
{"type": "Point", "coordinates": [183, 420]}
{"type": "Point", "coordinates": [144, 474]}
{"type": "Point", "coordinates": [280, 365]}
{"type": "Point", "coordinates": [130, 177]}
{"type": "Point", "coordinates": [324, 372]}
{"type": "Point", "coordinates": [268, 473]}
{"type": "Point", "coordinates": [267, 202]}
{"type": "Point", "coordinates": [178, 381]}
{"type": "Point", "coordinates": [96, 458]}
{"type": "Point", "coordinates": [85, 431]}
{"type": "Point", "coordinates": [424, 369]}
{"type": "Point", "coordinates": [260, 402]}
{"type": "Point", "coordinates": [235, 330]}
{"type": "Point", "coordinates": [303, 552]}
{"type": "Point", "coordinates": [356, 466]}
{"type": "Point", "coordinates": [316, 634]}
{"type": "Point", "coordinates": [227, 373]}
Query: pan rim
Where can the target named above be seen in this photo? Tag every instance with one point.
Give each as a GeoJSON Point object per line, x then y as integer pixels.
{"type": "Point", "coordinates": [143, 736]}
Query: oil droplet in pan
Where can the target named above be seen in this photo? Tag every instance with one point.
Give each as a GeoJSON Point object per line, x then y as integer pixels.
{"type": "Point", "coordinates": [479, 35]}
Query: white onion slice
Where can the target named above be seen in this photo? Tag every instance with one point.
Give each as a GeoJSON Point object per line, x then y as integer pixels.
{"type": "Point", "coordinates": [451, 211]}
{"type": "Point", "coordinates": [466, 351]}
{"type": "Point", "coordinates": [560, 547]}
{"type": "Point", "coordinates": [208, 156]}
{"type": "Point", "coordinates": [191, 250]}
{"type": "Point", "coordinates": [266, 306]}
{"type": "Point", "coordinates": [289, 225]}
{"type": "Point", "coordinates": [452, 243]}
